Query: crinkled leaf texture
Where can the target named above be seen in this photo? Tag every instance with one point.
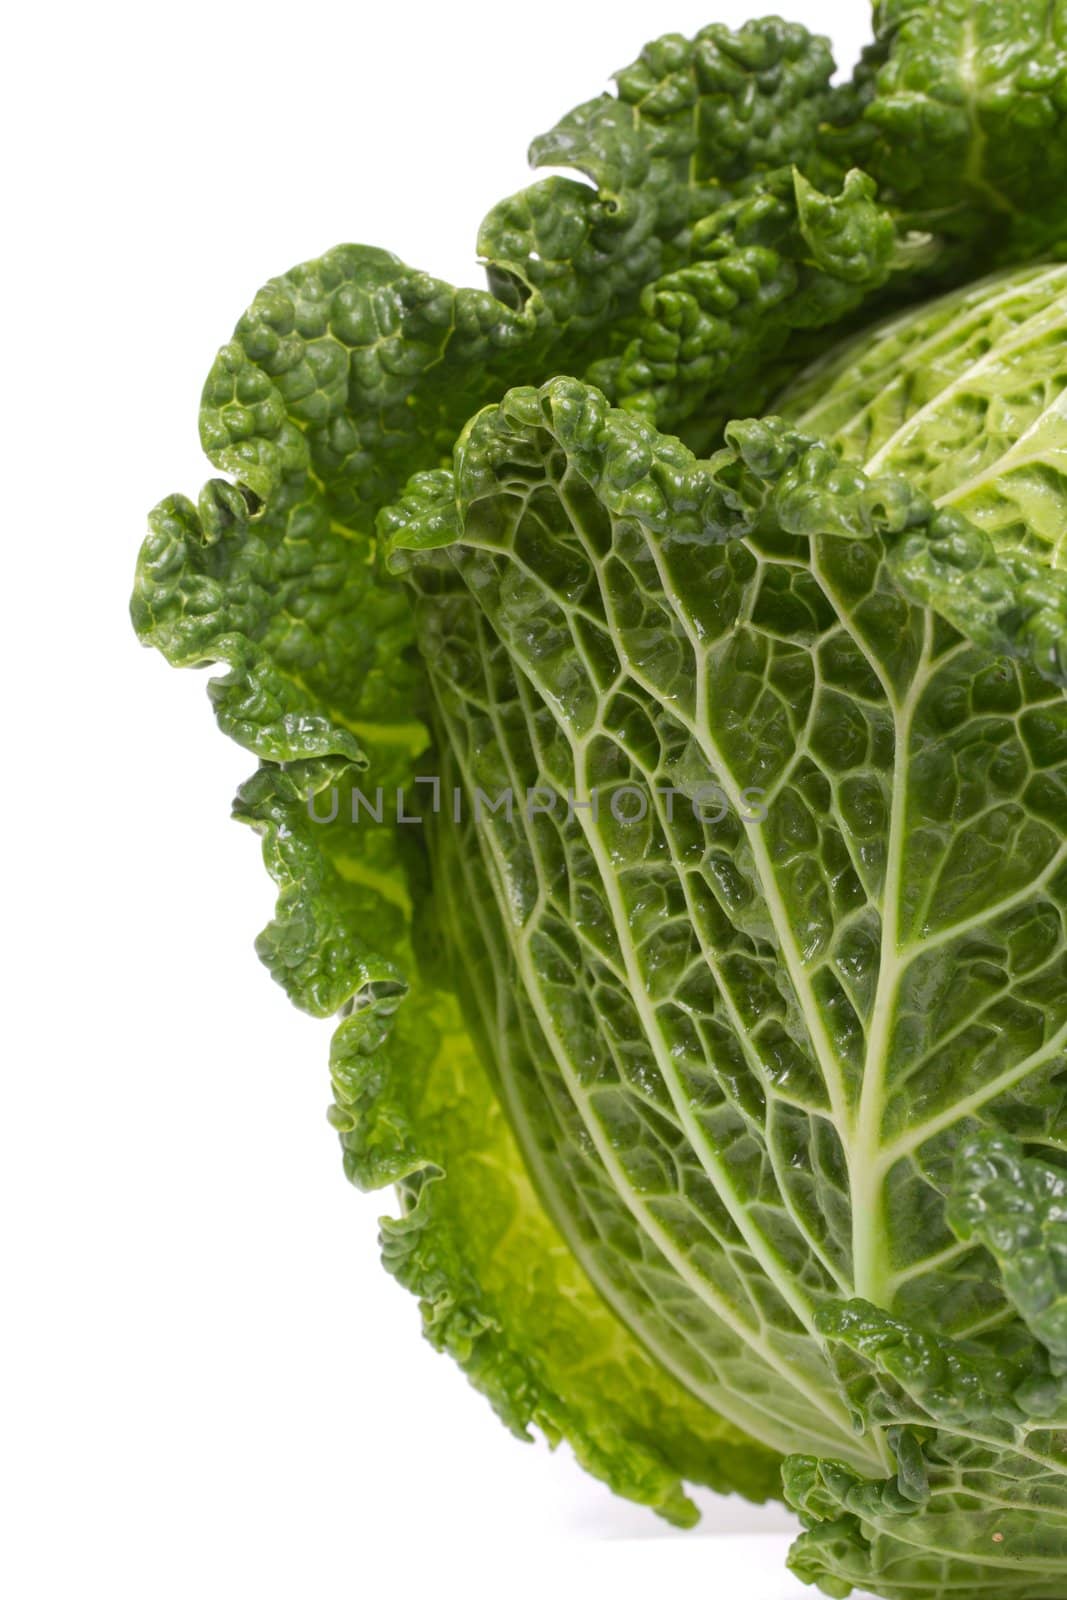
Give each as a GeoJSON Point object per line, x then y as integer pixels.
{"type": "Point", "coordinates": [702, 251]}
{"type": "Point", "coordinates": [721, 1083]}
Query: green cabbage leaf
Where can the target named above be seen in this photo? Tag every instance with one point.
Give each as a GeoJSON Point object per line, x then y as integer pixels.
{"type": "Point", "coordinates": [657, 669]}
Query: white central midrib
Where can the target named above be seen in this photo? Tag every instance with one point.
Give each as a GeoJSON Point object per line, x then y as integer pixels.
{"type": "Point", "coordinates": [870, 1268]}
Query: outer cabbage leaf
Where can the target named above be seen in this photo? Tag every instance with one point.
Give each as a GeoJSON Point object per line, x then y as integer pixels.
{"type": "Point", "coordinates": [740, 1041]}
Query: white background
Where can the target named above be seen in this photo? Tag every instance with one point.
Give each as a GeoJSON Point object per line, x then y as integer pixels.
{"type": "Point", "coordinates": [212, 1387]}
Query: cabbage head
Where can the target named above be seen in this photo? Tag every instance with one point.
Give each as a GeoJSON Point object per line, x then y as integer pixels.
{"type": "Point", "coordinates": [656, 665]}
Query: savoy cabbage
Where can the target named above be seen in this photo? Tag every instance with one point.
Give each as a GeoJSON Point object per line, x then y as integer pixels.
{"type": "Point", "coordinates": [657, 668]}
